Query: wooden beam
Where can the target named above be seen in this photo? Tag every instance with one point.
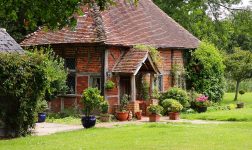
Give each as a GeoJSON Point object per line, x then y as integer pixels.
{"type": "Point", "coordinates": [133, 88]}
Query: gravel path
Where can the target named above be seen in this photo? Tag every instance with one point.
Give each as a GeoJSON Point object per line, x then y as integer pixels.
{"type": "Point", "coordinates": [50, 128]}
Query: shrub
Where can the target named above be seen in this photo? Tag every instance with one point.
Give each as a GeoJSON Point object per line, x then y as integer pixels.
{"type": "Point", "coordinates": [206, 71]}
{"type": "Point", "coordinates": [41, 106]}
{"type": "Point", "coordinates": [104, 107]}
{"type": "Point", "coordinates": [241, 92]}
{"type": "Point", "coordinates": [109, 84]}
{"type": "Point", "coordinates": [166, 104]}
{"type": "Point", "coordinates": [175, 106]}
{"type": "Point", "coordinates": [231, 106]}
{"type": "Point", "coordinates": [91, 99]}
{"type": "Point", "coordinates": [177, 94]}
{"type": "Point", "coordinates": [124, 102]}
{"type": "Point", "coordinates": [155, 109]}
{"type": "Point", "coordinates": [24, 80]}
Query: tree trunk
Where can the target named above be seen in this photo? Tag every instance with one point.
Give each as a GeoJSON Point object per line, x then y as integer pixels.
{"type": "Point", "coordinates": [237, 89]}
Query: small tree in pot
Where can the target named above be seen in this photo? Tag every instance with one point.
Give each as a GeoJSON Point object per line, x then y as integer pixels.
{"type": "Point", "coordinates": [123, 114]}
{"type": "Point", "coordinates": [174, 108]}
{"type": "Point", "coordinates": [41, 108]}
{"type": "Point", "coordinates": [155, 111]}
{"type": "Point", "coordinates": [104, 116]}
{"type": "Point", "coordinates": [92, 100]}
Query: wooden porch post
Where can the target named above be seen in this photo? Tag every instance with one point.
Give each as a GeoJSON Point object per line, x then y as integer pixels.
{"type": "Point", "coordinates": [151, 84]}
{"type": "Point", "coordinates": [133, 88]}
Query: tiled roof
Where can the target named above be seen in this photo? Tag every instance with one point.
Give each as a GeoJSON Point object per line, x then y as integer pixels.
{"type": "Point", "coordinates": [8, 44]}
{"type": "Point", "coordinates": [132, 61]}
{"type": "Point", "coordinates": [122, 25]}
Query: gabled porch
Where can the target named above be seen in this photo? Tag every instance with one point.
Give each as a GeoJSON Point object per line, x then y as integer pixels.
{"type": "Point", "coordinates": [135, 68]}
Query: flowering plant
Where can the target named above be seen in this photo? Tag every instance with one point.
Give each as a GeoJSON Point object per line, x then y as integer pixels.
{"type": "Point", "coordinates": [202, 101]}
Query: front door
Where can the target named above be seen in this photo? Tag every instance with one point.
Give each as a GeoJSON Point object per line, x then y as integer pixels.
{"type": "Point", "coordinates": [125, 87]}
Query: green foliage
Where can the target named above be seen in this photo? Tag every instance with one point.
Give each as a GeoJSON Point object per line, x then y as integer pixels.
{"type": "Point", "coordinates": [24, 82]}
{"type": "Point", "coordinates": [239, 67]}
{"type": "Point", "coordinates": [124, 102]}
{"type": "Point", "coordinates": [177, 94]}
{"type": "Point", "coordinates": [202, 19]}
{"type": "Point", "coordinates": [104, 107]}
{"type": "Point", "coordinates": [171, 105]}
{"type": "Point", "coordinates": [155, 109]}
{"type": "Point", "coordinates": [55, 70]}
{"type": "Point", "coordinates": [155, 54]}
{"type": "Point", "coordinates": [22, 17]}
{"type": "Point", "coordinates": [41, 106]}
{"type": "Point", "coordinates": [109, 84]}
{"type": "Point", "coordinates": [241, 92]}
{"type": "Point", "coordinates": [155, 92]}
{"type": "Point", "coordinates": [175, 106]}
{"type": "Point", "coordinates": [206, 71]}
{"type": "Point", "coordinates": [91, 99]}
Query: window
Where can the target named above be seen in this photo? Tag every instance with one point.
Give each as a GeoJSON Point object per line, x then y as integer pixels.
{"type": "Point", "coordinates": [95, 82]}
{"type": "Point", "coordinates": [71, 78]}
{"type": "Point", "coordinates": [158, 82]}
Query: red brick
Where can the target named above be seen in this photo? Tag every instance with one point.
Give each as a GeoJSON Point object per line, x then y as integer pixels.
{"type": "Point", "coordinates": [82, 83]}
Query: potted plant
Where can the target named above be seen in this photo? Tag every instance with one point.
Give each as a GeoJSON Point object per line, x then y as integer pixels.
{"type": "Point", "coordinates": [91, 100]}
{"type": "Point", "coordinates": [240, 104]}
{"type": "Point", "coordinates": [104, 116]}
{"type": "Point", "coordinates": [201, 103]}
{"type": "Point", "coordinates": [41, 108]}
{"type": "Point", "coordinates": [174, 109]}
{"type": "Point", "coordinates": [123, 114]}
{"type": "Point", "coordinates": [155, 111]}
{"type": "Point", "coordinates": [109, 85]}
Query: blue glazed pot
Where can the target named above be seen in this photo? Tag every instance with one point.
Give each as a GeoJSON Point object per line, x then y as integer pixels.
{"type": "Point", "coordinates": [88, 121]}
{"type": "Point", "coordinates": [41, 117]}
{"type": "Point", "coordinates": [201, 109]}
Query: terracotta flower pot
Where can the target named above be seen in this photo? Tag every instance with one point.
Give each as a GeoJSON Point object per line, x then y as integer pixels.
{"type": "Point", "coordinates": [174, 116]}
{"type": "Point", "coordinates": [154, 118]}
{"type": "Point", "coordinates": [105, 118]}
{"type": "Point", "coordinates": [139, 115]}
{"type": "Point", "coordinates": [122, 116]}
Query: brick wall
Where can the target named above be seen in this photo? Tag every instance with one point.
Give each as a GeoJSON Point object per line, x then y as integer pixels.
{"type": "Point", "coordinates": [170, 57]}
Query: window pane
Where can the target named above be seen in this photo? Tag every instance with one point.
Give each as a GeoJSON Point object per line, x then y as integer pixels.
{"type": "Point", "coordinates": [71, 84]}
{"type": "Point", "coordinates": [70, 63]}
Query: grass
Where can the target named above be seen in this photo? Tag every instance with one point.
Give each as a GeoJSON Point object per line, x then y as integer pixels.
{"type": "Point", "coordinates": [229, 136]}
{"type": "Point", "coordinates": [67, 120]}
{"type": "Point", "coordinates": [244, 114]}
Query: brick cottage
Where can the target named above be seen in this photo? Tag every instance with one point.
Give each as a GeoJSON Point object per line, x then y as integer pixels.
{"type": "Point", "coordinates": [101, 48]}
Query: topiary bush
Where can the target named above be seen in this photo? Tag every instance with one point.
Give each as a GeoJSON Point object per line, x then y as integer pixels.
{"type": "Point", "coordinates": [91, 99]}
{"type": "Point", "coordinates": [206, 71]}
{"type": "Point", "coordinates": [177, 94]}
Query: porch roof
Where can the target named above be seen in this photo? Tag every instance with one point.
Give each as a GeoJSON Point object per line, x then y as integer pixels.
{"type": "Point", "coordinates": [133, 61]}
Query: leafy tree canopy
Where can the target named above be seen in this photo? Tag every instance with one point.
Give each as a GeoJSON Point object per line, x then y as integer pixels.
{"type": "Point", "coordinates": [24, 16]}
{"type": "Point", "coordinates": [239, 67]}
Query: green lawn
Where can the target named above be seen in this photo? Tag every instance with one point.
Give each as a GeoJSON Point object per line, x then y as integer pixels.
{"type": "Point", "coordinates": [244, 114]}
{"type": "Point", "coordinates": [66, 120]}
{"type": "Point", "coordinates": [229, 136]}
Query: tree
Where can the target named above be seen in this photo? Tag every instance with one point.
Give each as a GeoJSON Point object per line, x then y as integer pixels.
{"type": "Point", "coordinates": [239, 67]}
{"type": "Point", "coordinates": [206, 71]}
{"type": "Point", "coordinates": [241, 30]}
{"type": "Point", "coordinates": [201, 18]}
{"type": "Point", "coordinates": [24, 16]}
